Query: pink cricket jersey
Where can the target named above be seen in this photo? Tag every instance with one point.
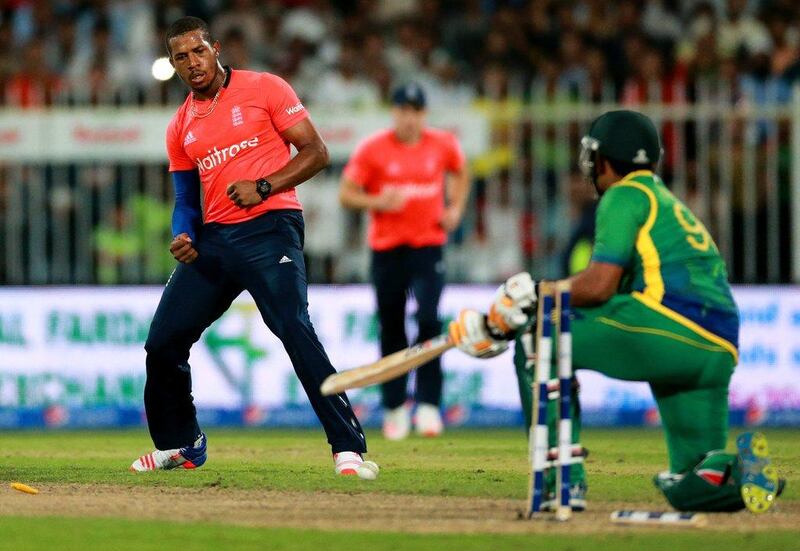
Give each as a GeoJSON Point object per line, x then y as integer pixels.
{"type": "Point", "coordinates": [239, 140]}
{"type": "Point", "coordinates": [418, 170]}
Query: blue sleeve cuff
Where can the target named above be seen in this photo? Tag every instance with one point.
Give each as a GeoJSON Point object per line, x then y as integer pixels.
{"type": "Point", "coordinates": [187, 215]}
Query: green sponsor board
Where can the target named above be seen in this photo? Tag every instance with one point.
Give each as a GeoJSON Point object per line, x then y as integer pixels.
{"type": "Point", "coordinates": [247, 355]}
{"type": "Point", "coordinates": [364, 327]}
{"type": "Point", "coordinates": [99, 327]}
{"type": "Point", "coordinates": [11, 329]}
{"type": "Point", "coordinates": [21, 390]}
{"type": "Point", "coordinates": [85, 348]}
{"type": "Point", "coordinates": [463, 387]}
{"type": "Point", "coordinates": [360, 325]}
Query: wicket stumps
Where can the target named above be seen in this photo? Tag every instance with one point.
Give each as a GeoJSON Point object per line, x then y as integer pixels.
{"type": "Point", "coordinates": [552, 323]}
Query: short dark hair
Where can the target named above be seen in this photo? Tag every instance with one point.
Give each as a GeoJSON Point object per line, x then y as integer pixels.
{"type": "Point", "coordinates": [624, 168]}
{"type": "Point", "coordinates": [185, 25]}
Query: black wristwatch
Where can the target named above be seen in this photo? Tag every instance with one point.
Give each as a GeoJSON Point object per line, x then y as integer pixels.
{"type": "Point", "coordinates": [263, 188]}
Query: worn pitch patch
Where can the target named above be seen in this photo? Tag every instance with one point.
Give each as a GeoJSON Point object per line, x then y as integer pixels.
{"type": "Point", "coordinates": [366, 511]}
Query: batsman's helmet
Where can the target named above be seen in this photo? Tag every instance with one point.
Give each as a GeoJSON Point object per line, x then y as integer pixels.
{"type": "Point", "coordinates": [625, 136]}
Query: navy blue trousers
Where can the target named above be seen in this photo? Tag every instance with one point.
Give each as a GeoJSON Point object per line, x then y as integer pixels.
{"type": "Point", "coordinates": [233, 258]}
{"type": "Point", "coordinates": [395, 273]}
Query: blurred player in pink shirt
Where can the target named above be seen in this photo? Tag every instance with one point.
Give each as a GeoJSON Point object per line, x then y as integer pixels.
{"type": "Point", "coordinates": [230, 141]}
{"type": "Point", "coordinates": [413, 180]}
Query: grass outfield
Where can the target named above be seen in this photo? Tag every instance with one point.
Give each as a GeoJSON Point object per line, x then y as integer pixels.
{"type": "Point", "coordinates": [26, 534]}
{"type": "Point", "coordinates": [275, 489]}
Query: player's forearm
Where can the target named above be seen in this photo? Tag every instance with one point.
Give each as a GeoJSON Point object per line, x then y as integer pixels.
{"type": "Point", "coordinates": [352, 197]}
{"type": "Point", "coordinates": [355, 200]}
{"type": "Point", "coordinates": [458, 190]}
{"type": "Point", "coordinates": [187, 214]}
{"type": "Point", "coordinates": [585, 292]}
{"type": "Point", "coordinates": [185, 220]}
{"type": "Point", "coordinates": [596, 284]}
{"type": "Point", "coordinates": [310, 159]}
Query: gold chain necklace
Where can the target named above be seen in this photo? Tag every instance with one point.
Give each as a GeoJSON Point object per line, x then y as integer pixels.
{"type": "Point", "coordinates": [214, 101]}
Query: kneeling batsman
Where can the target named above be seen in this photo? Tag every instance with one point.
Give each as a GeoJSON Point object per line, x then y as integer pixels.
{"type": "Point", "coordinates": [702, 477]}
{"type": "Point", "coordinates": [653, 305]}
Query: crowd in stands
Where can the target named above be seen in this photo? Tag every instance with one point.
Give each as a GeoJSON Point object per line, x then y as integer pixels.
{"type": "Point", "coordinates": [351, 52]}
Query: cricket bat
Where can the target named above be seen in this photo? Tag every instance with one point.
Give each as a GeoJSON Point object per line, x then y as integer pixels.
{"type": "Point", "coordinates": [387, 368]}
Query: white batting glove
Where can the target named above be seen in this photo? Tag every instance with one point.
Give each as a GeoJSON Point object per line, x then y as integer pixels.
{"type": "Point", "coordinates": [472, 336]}
{"type": "Point", "coordinates": [513, 305]}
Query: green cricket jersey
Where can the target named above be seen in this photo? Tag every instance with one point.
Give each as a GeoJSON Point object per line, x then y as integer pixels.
{"type": "Point", "coordinates": [668, 256]}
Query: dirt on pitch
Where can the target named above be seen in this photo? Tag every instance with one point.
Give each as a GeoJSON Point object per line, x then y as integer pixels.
{"type": "Point", "coordinates": [340, 511]}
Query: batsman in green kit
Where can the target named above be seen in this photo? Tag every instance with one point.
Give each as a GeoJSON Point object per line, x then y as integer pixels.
{"type": "Point", "coordinates": [653, 305]}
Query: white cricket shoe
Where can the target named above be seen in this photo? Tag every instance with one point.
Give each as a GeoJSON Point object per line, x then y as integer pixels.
{"type": "Point", "coordinates": [352, 463]}
{"type": "Point", "coordinates": [189, 457]}
{"type": "Point", "coordinates": [396, 423]}
{"type": "Point", "coordinates": [347, 463]}
{"type": "Point", "coordinates": [428, 421]}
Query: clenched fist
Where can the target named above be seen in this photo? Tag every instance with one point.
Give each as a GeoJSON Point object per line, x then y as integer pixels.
{"type": "Point", "coordinates": [243, 193]}
{"type": "Point", "coordinates": [389, 200]}
{"type": "Point", "coordinates": [182, 248]}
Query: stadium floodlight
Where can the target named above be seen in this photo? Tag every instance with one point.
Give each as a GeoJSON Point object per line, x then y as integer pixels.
{"type": "Point", "coordinates": [162, 69]}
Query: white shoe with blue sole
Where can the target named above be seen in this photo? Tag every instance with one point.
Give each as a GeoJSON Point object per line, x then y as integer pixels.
{"type": "Point", "coordinates": [179, 458]}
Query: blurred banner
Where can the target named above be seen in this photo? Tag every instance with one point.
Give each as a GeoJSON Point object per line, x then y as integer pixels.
{"type": "Point", "coordinates": [74, 357]}
{"type": "Point", "coordinates": [137, 135]}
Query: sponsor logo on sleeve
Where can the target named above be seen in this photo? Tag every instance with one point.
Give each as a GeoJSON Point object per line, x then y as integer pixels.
{"type": "Point", "coordinates": [295, 109]}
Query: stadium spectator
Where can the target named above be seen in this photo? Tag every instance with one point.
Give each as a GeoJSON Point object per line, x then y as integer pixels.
{"type": "Point", "coordinates": [660, 20]}
{"type": "Point", "coordinates": [463, 33]}
{"type": "Point", "coordinates": [344, 86]}
{"type": "Point", "coordinates": [597, 86]}
{"type": "Point", "coordinates": [388, 11]}
{"type": "Point", "coordinates": [31, 19]}
{"type": "Point", "coordinates": [446, 87]}
{"type": "Point", "coordinates": [786, 43]}
{"type": "Point", "coordinates": [244, 18]}
{"type": "Point", "coordinates": [313, 24]}
{"type": "Point", "coordinates": [272, 47]}
{"type": "Point", "coordinates": [402, 54]}
{"type": "Point", "coordinates": [741, 33]}
{"type": "Point", "coordinates": [237, 53]}
{"type": "Point", "coordinates": [8, 63]}
{"type": "Point", "coordinates": [32, 84]}
{"type": "Point", "coordinates": [101, 55]}
{"type": "Point", "coordinates": [574, 75]}
{"type": "Point", "coordinates": [132, 24]}
{"type": "Point", "coordinates": [651, 81]}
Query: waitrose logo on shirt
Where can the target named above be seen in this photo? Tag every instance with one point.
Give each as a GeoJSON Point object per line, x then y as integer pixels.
{"type": "Point", "coordinates": [416, 190]}
{"type": "Point", "coordinates": [216, 156]}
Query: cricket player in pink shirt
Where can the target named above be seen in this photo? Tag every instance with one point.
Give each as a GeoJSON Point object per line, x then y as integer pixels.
{"type": "Point", "coordinates": [230, 141]}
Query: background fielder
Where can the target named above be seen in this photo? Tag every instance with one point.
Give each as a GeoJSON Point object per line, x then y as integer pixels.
{"type": "Point", "coordinates": [654, 305]}
{"type": "Point", "coordinates": [413, 179]}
